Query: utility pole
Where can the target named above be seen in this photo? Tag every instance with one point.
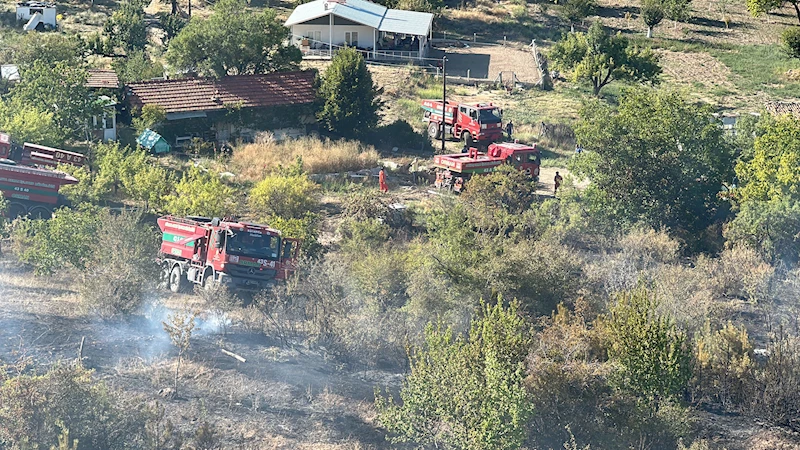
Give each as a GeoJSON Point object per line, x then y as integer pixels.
{"type": "Point", "coordinates": [444, 96]}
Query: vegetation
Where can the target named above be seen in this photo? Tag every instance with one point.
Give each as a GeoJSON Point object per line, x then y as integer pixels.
{"type": "Point", "coordinates": [350, 97]}
{"type": "Point", "coordinates": [201, 193]}
{"type": "Point", "coordinates": [233, 41]}
{"type": "Point", "coordinates": [599, 58]}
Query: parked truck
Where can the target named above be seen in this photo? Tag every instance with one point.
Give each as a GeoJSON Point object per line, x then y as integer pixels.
{"type": "Point", "coordinates": [479, 124]}
{"type": "Point", "coordinates": [26, 178]}
{"type": "Point", "coordinates": [452, 171]}
{"type": "Point", "coordinates": [205, 251]}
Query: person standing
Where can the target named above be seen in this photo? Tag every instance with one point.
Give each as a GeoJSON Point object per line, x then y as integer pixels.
{"type": "Point", "coordinates": [557, 183]}
{"type": "Point", "coordinates": [509, 129]}
{"type": "Point", "coordinates": [382, 181]}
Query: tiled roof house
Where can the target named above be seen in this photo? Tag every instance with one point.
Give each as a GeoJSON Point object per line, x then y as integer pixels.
{"type": "Point", "coordinates": [213, 99]}
{"type": "Point", "coordinates": [100, 78]}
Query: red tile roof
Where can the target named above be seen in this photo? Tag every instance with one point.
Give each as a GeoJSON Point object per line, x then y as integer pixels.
{"type": "Point", "coordinates": [209, 94]}
{"type": "Point", "coordinates": [99, 78]}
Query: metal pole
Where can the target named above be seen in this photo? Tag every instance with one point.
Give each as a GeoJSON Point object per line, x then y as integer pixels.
{"type": "Point", "coordinates": [444, 97]}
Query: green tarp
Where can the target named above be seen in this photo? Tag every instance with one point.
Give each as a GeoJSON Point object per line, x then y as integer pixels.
{"type": "Point", "coordinates": [153, 141]}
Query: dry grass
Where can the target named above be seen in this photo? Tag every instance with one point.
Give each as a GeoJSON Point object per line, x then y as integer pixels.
{"type": "Point", "coordinates": [254, 161]}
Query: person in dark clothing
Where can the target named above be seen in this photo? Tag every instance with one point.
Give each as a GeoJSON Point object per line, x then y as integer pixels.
{"type": "Point", "coordinates": [557, 183]}
{"type": "Point", "coordinates": [509, 129]}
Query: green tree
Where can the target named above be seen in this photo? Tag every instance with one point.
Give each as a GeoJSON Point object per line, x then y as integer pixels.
{"type": "Point", "coordinates": [770, 227]}
{"type": "Point", "coordinates": [656, 158]}
{"type": "Point", "coordinates": [652, 354]}
{"type": "Point", "coordinates": [773, 171]}
{"type": "Point", "coordinates": [150, 117]}
{"type": "Point", "coordinates": [200, 193]}
{"type": "Point", "coordinates": [677, 10]}
{"type": "Point", "coordinates": [28, 123]}
{"type": "Point", "coordinates": [49, 48]}
{"type": "Point", "coordinates": [126, 28]}
{"type": "Point", "coordinates": [496, 200]}
{"type": "Point", "coordinates": [58, 89]}
{"type": "Point", "coordinates": [233, 41]}
{"type": "Point", "coordinates": [760, 7]}
{"type": "Point", "coordinates": [137, 66]}
{"type": "Point", "coordinates": [652, 14]}
{"type": "Point", "coordinates": [431, 6]}
{"type": "Point", "coordinates": [351, 98]}
{"type": "Point", "coordinates": [577, 10]}
{"type": "Point", "coordinates": [601, 58]}
{"type": "Point", "coordinates": [465, 392]}
{"type": "Point", "coordinates": [144, 180]}
{"type": "Point", "coordinates": [172, 24]}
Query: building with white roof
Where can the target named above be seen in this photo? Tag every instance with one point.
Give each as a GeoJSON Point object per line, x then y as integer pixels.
{"type": "Point", "coordinates": [322, 26]}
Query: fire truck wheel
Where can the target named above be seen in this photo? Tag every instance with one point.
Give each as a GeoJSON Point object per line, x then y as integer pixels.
{"type": "Point", "coordinates": [434, 131]}
{"type": "Point", "coordinates": [208, 278]}
{"type": "Point", "coordinates": [16, 210]}
{"type": "Point", "coordinates": [39, 212]}
{"type": "Point", "coordinates": [467, 139]}
{"type": "Point", "coordinates": [176, 280]}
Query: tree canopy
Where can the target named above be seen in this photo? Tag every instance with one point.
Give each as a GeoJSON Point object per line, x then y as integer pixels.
{"type": "Point", "coordinates": [233, 41]}
{"type": "Point", "coordinates": [656, 158]}
{"type": "Point", "coordinates": [350, 96]}
{"type": "Point", "coordinates": [126, 28]}
{"type": "Point", "coordinates": [600, 58]}
{"type": "Point", "coordinates": [761, 7]}
{"type": "Point", "coordinates": [59, 90]}
{"type": "Point", "coordinates": [773, 172]}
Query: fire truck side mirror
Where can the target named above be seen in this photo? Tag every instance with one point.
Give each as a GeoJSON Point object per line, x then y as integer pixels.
{"type": "Point", "coordinates": [219, 236]}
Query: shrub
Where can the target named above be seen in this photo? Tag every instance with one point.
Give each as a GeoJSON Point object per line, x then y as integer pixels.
{"type": "Point", "coordinates": [67, 239]}
{"type": "Point", "coordinates": [289, 196]}
{"type": "Point", "coordinates": [774, 396]}
{"type": "Point", "coordinates": [304, 228]}
{"type": "Point", "coordinates": [465, 393]}
{"type": "Point", "coordinates": [652, 354]}
{"type": "Point", "coordinates": [790, 40]}
{"type": "Point", "coordinates": [399, 134]}
{"type": "Point", "coordinates": [254, 161]}
{"type": "Point", "coordinates": [768, 227]}
{"type": "Point", "coordinates": [200, 193]}
{"type": "Point", "coordinates": [739, 272]}
{"type": "Point", "coordinates": [495, 200]}
{"type": "Point", "coordinates": [724, 366]}
{"type": "Point", "coordinates": [122, 267]}
{"type": "Point", "coordinates": [149, 117]}
{"type": "Point", "coordinates": [34, 405]}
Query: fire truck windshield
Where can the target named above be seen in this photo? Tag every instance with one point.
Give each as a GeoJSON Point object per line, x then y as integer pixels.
{"type": "Point", "coordinates": [253, 245]}
{"type": "Point", "coordinates": [490, 115]}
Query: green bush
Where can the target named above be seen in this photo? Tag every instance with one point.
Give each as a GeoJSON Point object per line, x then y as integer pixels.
{"type": "Point", "coordinates": [465, 392]}
{"type": "Point", "coordinates": [66, 240]}
{"type": "Point", "coordinates": [35, 405]}
{"type": "Point", "coordinates": [289, 196]}
{"type": "Point", "coordinates": [201, 193]}
{"type": "Point", "coordinates": [653, 356]}
{"type": "Point", "coordinates": [769, 227]}
{"type": "Point", "coordinates": [121, 269]}
{"type": "Point", "coordinates": [790, 41]}
{"type": "Point", "coordinates": [399, 134]}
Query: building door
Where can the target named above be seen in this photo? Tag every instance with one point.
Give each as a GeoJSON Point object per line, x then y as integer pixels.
{"type": "Point", "coordinates": [351, 38]}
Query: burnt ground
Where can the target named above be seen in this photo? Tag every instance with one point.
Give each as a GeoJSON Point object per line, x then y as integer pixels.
{"type": "Point", "coordinates": [279, 398]}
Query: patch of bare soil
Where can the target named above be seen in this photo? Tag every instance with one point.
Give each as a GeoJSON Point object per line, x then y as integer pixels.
{"type": "Point", "coordinates": [507, 59]}
{"type": "Point", "coordinates": [281, 397]}
{"type": "Point", "coordinates": [695, 68]}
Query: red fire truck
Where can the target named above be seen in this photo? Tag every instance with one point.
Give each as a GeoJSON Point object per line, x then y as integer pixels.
{"type": "Point", "coordinates": [478, 124]}
{"type": "Point", "coordinates": [243, 256]}
{"type": "Point", "coordinates": [32, 190]}
{"type": "Point", "coordinates": [452, 171]}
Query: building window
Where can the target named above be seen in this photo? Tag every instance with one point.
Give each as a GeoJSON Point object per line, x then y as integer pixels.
{"type": "Point", "coordinates": [351, 38]}
{"type": "Point", "coordinates": [313, 36]}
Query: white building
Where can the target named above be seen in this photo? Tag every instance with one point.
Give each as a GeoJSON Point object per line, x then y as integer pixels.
{"type": "Point", "coordinates": [37, 15]}
{"type": "Point", "coordinates": [322, 26]}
